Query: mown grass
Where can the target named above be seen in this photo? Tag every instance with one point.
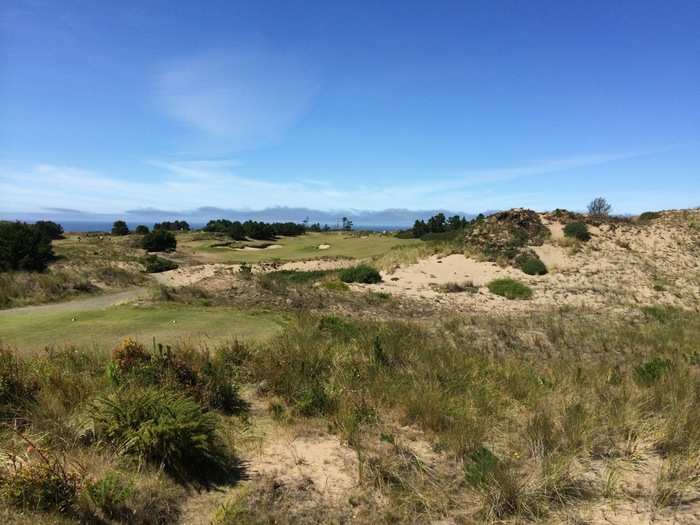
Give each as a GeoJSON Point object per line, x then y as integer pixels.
{"type": "Point", "coordinates": [168, 323]}
{"type": "Point", "coordinates": [355, 245]}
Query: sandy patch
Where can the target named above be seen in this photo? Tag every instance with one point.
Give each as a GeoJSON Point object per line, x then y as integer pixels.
{"type": "Point", "coordinates": [331, 466]}
{"type": "Point", "coordinates": [191, 275]}
{"type": "Point", "coordinates": [258, 248]}
{"type": "Point", "coordinates": [554, 257]}
{"type": "Point", "coordinates": [556, 229]}
{"type": "Point", "coordinates": [324, 246]}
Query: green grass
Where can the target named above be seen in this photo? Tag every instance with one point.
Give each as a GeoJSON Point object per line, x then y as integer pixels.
{"type": "Point", "coordinates": [342, 245]}
{"type": "Point", "coordinates": [105, 328]}
{"type": "Point", "coordinates": [510, 289]}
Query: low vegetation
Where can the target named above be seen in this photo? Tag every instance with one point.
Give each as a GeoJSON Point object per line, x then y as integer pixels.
{"type": "Point", "coordinates": [531, 264]}
{"type": "Point", "coordinates": [361, 273]}
{"type": "Point", "coordinates": [154, 264]}
{"type": "Point", "coordinates": [510, 289]}
{"type": "Point", "coordinates": [159, 240]}
{"type": "Point", "coordinates": [509, 418]}
{"type": "Point", "coordinates": [577, 230]}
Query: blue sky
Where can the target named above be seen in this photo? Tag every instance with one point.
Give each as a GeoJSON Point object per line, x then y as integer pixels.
{"type": "Point", "coordinates": [114, 106]}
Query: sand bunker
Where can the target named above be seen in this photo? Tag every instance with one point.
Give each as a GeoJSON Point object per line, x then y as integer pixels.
{"type": "Point", "coordinates": [324, 246]}
{"type": "Point", "coordinates": [258, 248]}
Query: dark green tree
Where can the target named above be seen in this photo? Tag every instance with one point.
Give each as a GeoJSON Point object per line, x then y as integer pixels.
{"type": "Point", "coordinates": [120, 228]}
{"type": "Point", "coordinates": [51, 229]}
{"type": "Point", "coordinates": [23, 247]}
{"type": "Point", "coordinates": [159, 241]}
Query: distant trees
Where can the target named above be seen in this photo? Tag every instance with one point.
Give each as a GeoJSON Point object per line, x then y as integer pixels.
{"type": "Point", "coordinates": [173, 226]}
{"type": "Point", "coordinates": [254, 229]}
{"type": "Point", "coordinates": [599, 207]}
{"type": "Point", "coordinates": [120, 228]}
{"type": "Point", "coordinates": [159, 240]}
{"type": "Point", "coordinates": [24, 247]}
{"type": "Point", "coordinates": [438, 223]}
{"type": "Point", "coordinates": [141, 229]}
{"type": "Point", "coordinates": [51, 229]}
{"type": "Point", "coordinates": [346, 224]}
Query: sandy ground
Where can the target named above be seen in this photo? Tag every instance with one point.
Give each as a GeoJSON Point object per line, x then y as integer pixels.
{"type": "Point", "coordinates": [198, 274]}
{"type": "Point", "coordinates": [630, 264]}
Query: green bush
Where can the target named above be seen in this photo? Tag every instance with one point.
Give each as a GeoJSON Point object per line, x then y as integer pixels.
{"type": "Point", "coordinates": [141, 229]}
{"type": "Point", "coordinates": [209, 381]}
{"type": "Point", "coordinates": [41, 484]}
{"type": "Point", "coordinates": [155, 264]}
{"type": "Point", "coordinates": [651, 371]}
{"type": "Point", "coordinates": [159, 240]}
{"type": "Point", "coordinates": [510, 289]}
{"type": "Point", "coordinates": [120, 228]}
{"type": "Point", "coordinates": [160, 427]}
{"type": "Point", "coordinates": [360, 274]}
{"type": "Point", "coordinates": [23, 247]}
{"type": "Point", "coordinates": [109, 496]}
{"type": "Point", "coordinates": [531, 265]}
{"type": "Point", "coordinates": [50, 229]}
{"type": "Point", "coordinates": [577, 230]}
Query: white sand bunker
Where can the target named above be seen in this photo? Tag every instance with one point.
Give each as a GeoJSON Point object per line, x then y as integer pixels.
{"type": "Point", "coordinates": [258, 248]}
{"type": "Point", "coordinates": [324, 246]}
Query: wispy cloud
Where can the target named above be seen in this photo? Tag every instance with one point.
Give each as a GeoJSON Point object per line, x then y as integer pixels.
{"type": "Point", "coordinates": [192, 184]}
{"type": "Point", "coordinates": [243, 97]}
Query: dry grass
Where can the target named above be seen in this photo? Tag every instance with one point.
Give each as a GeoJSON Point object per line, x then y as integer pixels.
{"type": "Point", "coordinates": [474, 419]}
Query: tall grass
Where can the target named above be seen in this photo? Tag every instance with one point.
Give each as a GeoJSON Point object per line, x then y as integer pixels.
{"type": "Point", "coordinates": [519, 401]}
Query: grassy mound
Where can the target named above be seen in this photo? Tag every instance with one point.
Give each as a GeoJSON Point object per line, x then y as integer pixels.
{"type": "Point", "coordinates": [531, 265]}
{"type": "Point", "coordinates": [577, 230]}
{"type": "Point", "coordinates": [361, 273]}
{"type": "Point", "coordinates": [510, 289]}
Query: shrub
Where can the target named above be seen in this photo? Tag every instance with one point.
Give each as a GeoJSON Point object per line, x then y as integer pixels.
{"type": "Point", "coordinates": [651, 371]}
{"type": "Point", "coordinates": [577, 230]}
{"type": "Point", "coordinates": [649, 216]}
{"type": "Point", "coordinates": [141, 229]}
{"type": "Point", "coordinates": [599, 207]}
{"type": "Point", "coordinates": [42, 484]}
{"type": "Point", "coordinates": [209, 381]}
{"type": "Point", "coordinates": [510, 289]}
{"type": "Point", "coordinates": [159, 427]}
{"type": "Point", "coordinates": [155, 264]}
{"type": "Point", "coordinates": [454, 287]}
{"type": "Point", "coordinates": [360, 274]}
{"type": "Point", "coordinates": [110, 494]}
{"type": "Point", "coordinates": [120, 228]}
{"type": "Point", "coordinates": [50, 229]}
{"type": "Point", "coordinates": [159, 240]}
{"type": "Point", "coordinates": [531, 265]}
{"type": "Point", "coordinates": [23, 247]}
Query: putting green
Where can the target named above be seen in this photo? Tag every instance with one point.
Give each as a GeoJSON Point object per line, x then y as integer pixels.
{"type": "Point", "coordinates": [335, 245]}
{"type": "Point", "coordinates": [104, 328]}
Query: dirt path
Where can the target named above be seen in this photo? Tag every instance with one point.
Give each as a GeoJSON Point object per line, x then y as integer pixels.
{"type": "Point", "coordinates": [90, 303]}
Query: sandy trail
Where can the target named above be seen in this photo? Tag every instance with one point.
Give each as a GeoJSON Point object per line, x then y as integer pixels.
{"type": "Point", "coordinates": [77, 305]}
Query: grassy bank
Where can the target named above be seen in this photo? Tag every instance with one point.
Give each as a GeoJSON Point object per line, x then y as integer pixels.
{"type": "Point", "coordinates": [546, 416]}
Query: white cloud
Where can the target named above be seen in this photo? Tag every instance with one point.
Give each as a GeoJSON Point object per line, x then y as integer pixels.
{"type": "Point", "coordinates": [200, 183]}
{"type": "Point", "coordinates": [243, 97]}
